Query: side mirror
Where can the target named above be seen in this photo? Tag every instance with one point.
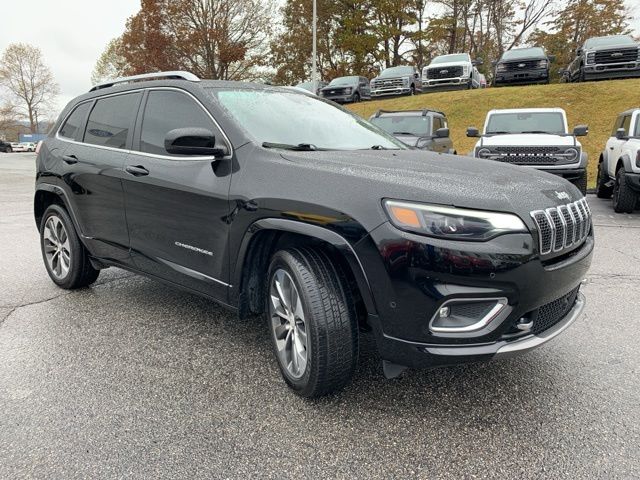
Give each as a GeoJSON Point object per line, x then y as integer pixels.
{"type": "Point", "coordinates": [416, 75]}
{"type": "Point", "coordinates": [193, 141]}
{"type": "Point", "coordinates": [477, 61]}
{"type": "Point", "coordinates": [578, 52]}
{"type": "Point", "coordinates": [473, 132]}
{"type": "Point", "coordinates": [621, 134]}
{"type": "Point", "coordinates": [551, 58]}
{"type": "Point", "coordinates": [442, 133]}
{"type": "Point", "coordinates": [581, 130]}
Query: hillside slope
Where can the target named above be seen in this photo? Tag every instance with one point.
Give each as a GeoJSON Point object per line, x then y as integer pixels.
{"type": "Point", "coordinates": [595, 104]}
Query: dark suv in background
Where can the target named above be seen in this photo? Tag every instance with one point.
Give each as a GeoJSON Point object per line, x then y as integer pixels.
{"type": "Point", "coordinates": [5, 147]}
{"type": "Point", "coordinates": [424, 129]}
{"type": "Point", "coordinates": [347, 89]}
{"type": "Point", "coordinates": [278, 204]}
{"type": "Point", "coordinates": [522, 66]}
{"type": "Point", "coordinates": [616, 56]}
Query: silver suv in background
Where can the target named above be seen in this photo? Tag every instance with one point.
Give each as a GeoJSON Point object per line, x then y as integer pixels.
{"type": "Point", "coordinates": [404, 80]}
{"type": "Point", "coordinates": [424, 129]}
{"type": "Point", "coordinates": [451, 71]}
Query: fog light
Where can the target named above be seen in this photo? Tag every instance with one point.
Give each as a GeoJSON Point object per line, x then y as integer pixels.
{"type": "Point", "coordinates": [463, 315]}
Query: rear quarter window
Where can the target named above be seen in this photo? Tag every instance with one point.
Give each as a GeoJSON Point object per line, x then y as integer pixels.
{"type": "Point", "coordinates": [111, 119]}
{"type": "Point", "coordinates": [74, 122]}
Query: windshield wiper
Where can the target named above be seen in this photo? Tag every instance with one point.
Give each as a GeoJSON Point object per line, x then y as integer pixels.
{"type": "Point", "coordinates": [536, 131]}
{"type": "Point", "coordinates": [300, 147]}
{"type": "Point", "coordinates": [499, 132]}
{"type": "Point", "coordinates": [405, 133]}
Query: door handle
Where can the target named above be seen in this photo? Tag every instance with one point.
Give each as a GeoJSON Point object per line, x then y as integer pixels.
{"type": "Point", "coordinates": [69, 159]}
{"type": "Point", "coordinates": [137, 170]}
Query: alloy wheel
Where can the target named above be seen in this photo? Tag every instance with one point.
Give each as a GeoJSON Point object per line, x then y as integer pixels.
{"type": "Point", "coordinates": [56, 247]}
{"type": "Point", "coordinates": [288, 323]}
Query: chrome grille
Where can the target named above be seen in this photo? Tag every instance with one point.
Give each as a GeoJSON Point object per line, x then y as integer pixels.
{"type": "Point", "coordinates": [617, 56]}
{"type": "Point", "coordinates": [435, 73]}
{"type": "Point", "coordinates": [561, 227]}
{"type": "Point", "coordinates": [387, 83]}
{"type": "Point", "coordinates": [528, 65]}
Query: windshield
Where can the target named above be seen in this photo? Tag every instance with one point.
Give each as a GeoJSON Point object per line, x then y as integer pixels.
{"type": "Point", "coordinates": [418, 126]}
{"type": "Point", "coordinates": [609, 41]}
{"type": "Point", "coordinates": [280, 117]}
{"type": "Point", "coordinates": [397, 71]}
{"type": "Point", "coordinates": [523, 53]}
{"type": "Point", "coordinates": [457, 57]}
{"type": "Point", "coordinates": [306, 86]}
{"type": "Point", "coordinates": [344, 81]}
{"type": "Point", "coordinates": [526, 122]}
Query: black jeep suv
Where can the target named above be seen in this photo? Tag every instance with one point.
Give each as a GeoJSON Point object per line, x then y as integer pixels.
{"type": "Point", "coordinates": [273, 202]}
{"type": "Point", "coordinates": [521, 66]}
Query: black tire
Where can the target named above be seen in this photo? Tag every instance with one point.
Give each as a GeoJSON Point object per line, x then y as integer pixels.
{"type": "Point", "coordinates": [80, 271]}
{"type": "Point", "coordinates": [330, 321]}
{"type": "Point", "coordinates": [602, 190]}
{"type": "Point", "coordinates": [9, 150]}
{"type": "Point", "coordinates": [624, 199]}
{"type": "Point", "coordinates": [356, 97]}
{"type": "Point", "coordinates": [581, 77]}
{"type": "Point", "coordinates": [469, 84]}
{"type": "Point", "coordinates": [412, 90]}
{"type": "Point", "coordinates": [581, 183]}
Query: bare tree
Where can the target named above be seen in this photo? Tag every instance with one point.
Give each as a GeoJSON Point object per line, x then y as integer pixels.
{"type": "Point", "coordinates": [28, 80]}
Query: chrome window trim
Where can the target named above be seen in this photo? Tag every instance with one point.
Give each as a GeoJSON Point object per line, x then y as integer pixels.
{"type": "Point", "coordinates": [146, 154]}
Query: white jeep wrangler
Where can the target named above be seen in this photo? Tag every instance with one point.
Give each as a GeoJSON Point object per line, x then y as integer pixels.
{"type": "Point", "coordinates": [619, 167]}
{"type": "Point", "coordinates": [534, 138]}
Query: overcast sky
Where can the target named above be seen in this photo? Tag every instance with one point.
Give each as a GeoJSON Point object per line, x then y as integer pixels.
{"type": "Point", "coordinates": [73, 33]}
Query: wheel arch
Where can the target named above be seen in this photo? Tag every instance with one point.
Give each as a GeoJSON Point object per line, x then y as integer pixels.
{"type": "Point", "coordinates": [625, 162]}
{"type": "Point", "coordinates": [267, 235]}
{"type": "Point", "coordinates": [47, 194]}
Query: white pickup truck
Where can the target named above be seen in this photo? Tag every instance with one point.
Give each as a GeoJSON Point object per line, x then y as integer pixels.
{"type": "Point", "coordinates": [534, 138]}
{"type": "Point", "coordinates": [451, 71]}
{"type": "Point", "coordinates": [619, 166]}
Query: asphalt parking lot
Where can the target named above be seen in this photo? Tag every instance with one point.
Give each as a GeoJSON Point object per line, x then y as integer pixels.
{"type": "Point", "coordinates": [132, 379]}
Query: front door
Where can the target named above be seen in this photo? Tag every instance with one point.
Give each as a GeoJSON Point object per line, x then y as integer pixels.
{"type": "Point", "coordinates": [177, 206]}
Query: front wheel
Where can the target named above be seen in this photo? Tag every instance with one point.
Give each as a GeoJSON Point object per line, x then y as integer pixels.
{"type": "Point", "coordinates": [412, 90]}
{"type": "Point", "coordinates": [624, 199]}
{"type": "Point", "coordinates": [356, 97]}
{"type": "Point", "coordinates": [65, 258]}
{"type": "Point", "coordinates": [312, 320]}
{"type": "Point", "coordinates": [581, 183]}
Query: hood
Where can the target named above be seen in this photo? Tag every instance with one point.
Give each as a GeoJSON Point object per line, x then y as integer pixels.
{"type": "Point", "coordinates": [361, 179]}
{"type": "Point", "coordinates": [450, 64]}
{"type": "Point", "coordinates": [612, 47]}
{"type": "Point", "coordinates": [528, 139]}
{"type": "Point", "coordinates": [525, 59]}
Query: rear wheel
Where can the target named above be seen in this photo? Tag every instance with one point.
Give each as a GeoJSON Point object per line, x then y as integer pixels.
{"type": "Point", "coordinates": [602, 190]}
{"type": "Point", "coordinates": [312, 320]}
{"type": "Point", "coordinates": [624, 199]}
{"type": "Point", "coordinates": [65, 258]}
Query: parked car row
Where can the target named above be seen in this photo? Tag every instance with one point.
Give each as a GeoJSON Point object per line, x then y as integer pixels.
{"type": "Point", "coordinates": [616, 56]}
{"type": "Point", "coordinates": [7, 147]}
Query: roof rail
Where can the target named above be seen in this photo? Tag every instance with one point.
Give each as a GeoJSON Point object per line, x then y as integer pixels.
{"type": "Point", "coordinates": [424, 111]}
{"type": "Point", "coordinates": [173, 75]}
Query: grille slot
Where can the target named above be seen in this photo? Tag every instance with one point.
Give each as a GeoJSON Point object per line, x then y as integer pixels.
{"type": "Point", "coordinates": [551, 313]}
{"type": "Point", "coordinates": [526, 65]}
{"type": "Point", "coordinates": [437, 73]}
{"type": "Point", "coordinates": [617, 56]}
{"type": "Point", "coordinates": [561, 227]}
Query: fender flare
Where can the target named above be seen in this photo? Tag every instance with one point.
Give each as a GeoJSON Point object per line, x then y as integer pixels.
{"type": "Point", "coordinates": [314, 231]}
{"type": "Point", "coordinates": [58, 191]}
{"type": "Point", "coordinates": [626, 163]}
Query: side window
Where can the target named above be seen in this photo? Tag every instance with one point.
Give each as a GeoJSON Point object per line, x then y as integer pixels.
{"type": "Point", "coordinates": [110, 120]}
{"type": "Point", "coordinates": [626, 124]}
{"type": "Point", "coordinates": [74, 121]}
{"type": "Point", "coordinates": [167, 110]}
{"type": "Point", "coordinates": [437, 123]}
{"type": "Point", "coordinates": [617, 124]}
{"type": "Point", "coordinates": [637, 133]}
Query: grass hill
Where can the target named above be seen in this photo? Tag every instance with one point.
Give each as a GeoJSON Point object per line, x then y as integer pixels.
{"type": "Point", "coordinates": [594, 103]}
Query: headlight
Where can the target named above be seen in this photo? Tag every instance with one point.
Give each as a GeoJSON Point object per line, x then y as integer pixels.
{"type": "Point", "coordinates": [571, 154]}
{"type": "Point", "coordinates": [483, 153]}
{"type": "Point", "coordinates": [501, 67]}
{"type": "Point", "coordinates": [450, 222]}
{"type": "Point", "coordinates": [405, 81]}
{"type": "Point", "coordinates": [591, 57]}
{"type": "Point", "coordinates": [543, 64]}
{"type": "Point", "coordinates": [465, 71]}
{"type": "Point", "coordinates": [348, 90]}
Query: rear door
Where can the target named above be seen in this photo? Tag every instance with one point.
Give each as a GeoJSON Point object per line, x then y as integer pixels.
{"type": "Point", "coordinates": [614, 144]}
{"type": "Point", "coordinates": [177, 206]}
{"type": "Point", "coordinates": [92, 164]}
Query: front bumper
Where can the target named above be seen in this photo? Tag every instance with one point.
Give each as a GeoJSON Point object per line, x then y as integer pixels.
{"type": "Point", "coordinates": [522, 77]}
{"type": "Point", "coordinates": [412, 276]}
{"type": "Point", "coordinates": [571, 174]}
{"type": "Point", "coordinates": [460, 82]}
{"type": "Point", "coordinates": [612, 70]}
{"type": "Point", "coordinates": [381, 92]}
{"type": "Point", "coordinates": [424, 355]}
{"type": "Point", "coordinates": [339, 98]}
